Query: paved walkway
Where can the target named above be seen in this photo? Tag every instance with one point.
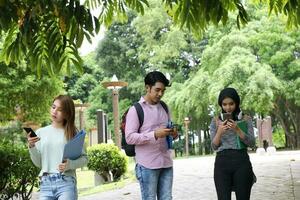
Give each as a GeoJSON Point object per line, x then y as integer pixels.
{"type": "Point", "coordinates": [278, 178]}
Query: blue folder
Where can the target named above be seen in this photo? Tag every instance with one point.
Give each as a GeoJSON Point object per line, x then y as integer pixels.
{"type": "Point", "coordinates": [73, 149]}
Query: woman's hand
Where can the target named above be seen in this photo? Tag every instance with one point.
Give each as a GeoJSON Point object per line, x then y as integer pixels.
{"type": "Point", "coordinates": [32, 140]}
{"type": "Point", "coordinates": [232, 125]}
{"type": "Point", "coordinates": [62, 166]}
{"type": "Point", "coordinates": [222, 127]}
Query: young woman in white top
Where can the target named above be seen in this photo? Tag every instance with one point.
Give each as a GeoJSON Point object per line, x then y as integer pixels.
{"type": "Point", "coordinates": [58, 176]}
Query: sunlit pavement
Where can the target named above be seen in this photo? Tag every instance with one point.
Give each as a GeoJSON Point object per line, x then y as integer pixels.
{"type": "Point", "coordinates": [278, 177]}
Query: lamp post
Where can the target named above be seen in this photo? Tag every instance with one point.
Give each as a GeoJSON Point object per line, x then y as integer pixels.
{"type": "Point", "coordinates": [81, 107]}
{"type": "Point", "coordinates": [186, 123]}
{"type": "Point", "coordinates": [115, 85]}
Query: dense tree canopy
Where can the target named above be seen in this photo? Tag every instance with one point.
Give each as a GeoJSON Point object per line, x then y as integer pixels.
{"type": "Point", "coordinates": [23, 94]}
{"type": "Point", "coordinates": [261, 61]}
{"type": "Point", "coordinates": [47, 33]}
{"type": "Point", "coordinates": [79, 86]}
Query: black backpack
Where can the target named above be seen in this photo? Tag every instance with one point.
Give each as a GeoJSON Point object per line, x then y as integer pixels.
{"type": "Point", "coordinates": [130, 148]}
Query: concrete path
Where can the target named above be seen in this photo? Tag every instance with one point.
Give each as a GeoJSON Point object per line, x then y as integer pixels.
{"type": "Point", "coordinates": [278, 177]}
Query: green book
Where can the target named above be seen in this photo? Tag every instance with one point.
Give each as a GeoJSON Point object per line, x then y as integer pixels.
{"type": "Point", "coordinates": [244, 127]}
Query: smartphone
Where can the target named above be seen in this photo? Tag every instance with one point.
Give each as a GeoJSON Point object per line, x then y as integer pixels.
{"type": "Point", "coordinates": [170, 124]}
{"type": "Point", "coordinates": [226, 116]}
{"type": "Point", "coordinates": [175, 127]}
{"type": "Point", "coordinates": [169, 138]}
{"type": "Point", "coordinates": [29, 130]}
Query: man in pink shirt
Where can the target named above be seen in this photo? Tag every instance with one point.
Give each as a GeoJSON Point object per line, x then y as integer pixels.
{"type": "Point", "coordinates": [154, 165]}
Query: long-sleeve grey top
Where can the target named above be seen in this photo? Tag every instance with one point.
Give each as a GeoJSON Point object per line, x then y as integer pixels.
{"type": "Point", "coordinates": [228, 139]}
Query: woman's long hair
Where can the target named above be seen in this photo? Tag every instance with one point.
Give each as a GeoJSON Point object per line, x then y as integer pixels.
{"type": "Point", "coordinates": [68, 109]}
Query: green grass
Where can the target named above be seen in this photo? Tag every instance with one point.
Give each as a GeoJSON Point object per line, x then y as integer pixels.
{"type": "Point", "coordinates": [85, 178]}
{"type": "Point", "coordinates": [104, 187]}
{"type": "Point", "coordinates": [86, 186]}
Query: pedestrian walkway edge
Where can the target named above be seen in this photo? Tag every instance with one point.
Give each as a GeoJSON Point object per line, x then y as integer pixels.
{"type": "Point", "coordinates": [295, 170]}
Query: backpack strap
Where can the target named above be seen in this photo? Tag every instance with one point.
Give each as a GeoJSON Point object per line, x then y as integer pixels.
{"type": "Point", "coordinates": [140, 113]}
{"type": "Point", "coordinates": [164, 105]}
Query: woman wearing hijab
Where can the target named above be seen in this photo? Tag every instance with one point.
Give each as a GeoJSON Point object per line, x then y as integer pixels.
{"type": "Point", "coordinates": [233, 169]}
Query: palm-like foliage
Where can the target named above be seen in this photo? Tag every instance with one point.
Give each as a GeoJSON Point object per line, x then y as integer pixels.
{"type": "Point", "coordinates": [110, 8]}
{"type": "Point", "coordinates": [197, 15]}
{"type": "Point", "coordinates": [48, 32]}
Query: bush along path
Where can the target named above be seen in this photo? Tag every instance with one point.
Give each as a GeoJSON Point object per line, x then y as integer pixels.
{"type": "Point", "coordinates": [18, 175]}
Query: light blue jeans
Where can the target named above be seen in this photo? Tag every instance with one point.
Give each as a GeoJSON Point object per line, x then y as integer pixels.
{"type": "Point", "coordinates": [58, 187]}
{"type": "Point", "coordinates": [155, 182]}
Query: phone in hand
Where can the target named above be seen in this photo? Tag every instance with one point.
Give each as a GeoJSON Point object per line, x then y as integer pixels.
{"type": "Point", "coordinates": [29, 130]}
{"type": "Point", "coordinates": [169, 138]}
{"type": "Point", "coordinates": [170, 124]}
{"type": "Point", "coordinates": [226, 116]}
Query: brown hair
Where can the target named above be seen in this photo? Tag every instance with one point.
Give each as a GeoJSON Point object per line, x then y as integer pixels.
{"type": "Point", "coordinates": [68, 109]}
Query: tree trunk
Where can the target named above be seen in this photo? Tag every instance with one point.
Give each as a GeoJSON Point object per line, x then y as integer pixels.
{"type": "Point", "coordinates": [207, 146]}
{"type": "Point", "coordinates": [200, 143]}
{"type": "Point", "coordinates": [288, 114]}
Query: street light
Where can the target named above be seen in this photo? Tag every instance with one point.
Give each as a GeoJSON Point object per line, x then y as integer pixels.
{"type": "Point", "coordinates": [81, 107]}
{"type": "Point", "coordinates": [186, 123]}
{"type": "Point", "coordinates": [115, 85]}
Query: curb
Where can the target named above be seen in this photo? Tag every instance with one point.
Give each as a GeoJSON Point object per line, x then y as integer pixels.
{"type": "Point", "coordinates": [295, 173]}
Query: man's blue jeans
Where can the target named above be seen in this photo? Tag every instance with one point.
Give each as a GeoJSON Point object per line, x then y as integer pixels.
{"type": "Point", "coordinates": [155, 182]}
{"type": "Point", "coordinates": [58, 187]}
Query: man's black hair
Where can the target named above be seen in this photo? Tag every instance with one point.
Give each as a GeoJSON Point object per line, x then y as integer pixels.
{"type": "Point", "coordinates": [156, 76]}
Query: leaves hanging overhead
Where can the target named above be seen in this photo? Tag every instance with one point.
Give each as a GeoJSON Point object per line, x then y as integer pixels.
{"type": "Point", "coordinates": [115, 8]}
{"type": "Point", "coordinates": [197, 15]}
{"type": "Point", "coordinates": [46, 33]}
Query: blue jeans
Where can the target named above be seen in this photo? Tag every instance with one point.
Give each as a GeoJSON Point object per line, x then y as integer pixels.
{"type": "Point", "coordinates": [155, 182]}
{"type": "Point", "coordinates": [58, 187]}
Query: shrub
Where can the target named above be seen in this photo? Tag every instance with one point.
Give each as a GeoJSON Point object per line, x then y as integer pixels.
{"type": "Point", "coordinates": [18, 174]}
{"type": "Point", "coordinates": [279, 138]}
{"type": "Point", "coordinates": [13, 132]}
{"type": "Point", "coordinates": [105, 159]}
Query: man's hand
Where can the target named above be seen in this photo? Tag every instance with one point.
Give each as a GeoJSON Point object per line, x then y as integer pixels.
{"type": "Point", "coordinates": [174, 133]}
{"type": "Point", "coordinates": [62, 166]}
{"type": "Point", "coordinates": [162, 132]}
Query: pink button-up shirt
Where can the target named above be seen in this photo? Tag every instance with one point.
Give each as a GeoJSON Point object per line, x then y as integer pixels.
{"type": "Point", "coordinates": [150, 153]}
